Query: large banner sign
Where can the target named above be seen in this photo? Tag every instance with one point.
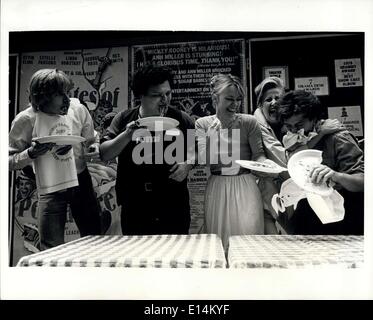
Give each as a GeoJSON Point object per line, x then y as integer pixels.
{"type": "Point", "coordinates": [193, 64]}
{"type": "Point", "coordinates": [100, 79]}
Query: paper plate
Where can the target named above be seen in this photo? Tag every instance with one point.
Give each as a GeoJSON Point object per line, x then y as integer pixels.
{"type": "Point", "coordinates": [260, 166]}
{"type": "Point", "coordinates": [61, 139]}
{"type": "Point", "coordinates": [158, 123]}
{"type": "Point", "coordinates": [326, 209]}
{"type": "Point", "coordinates": [299, 166]}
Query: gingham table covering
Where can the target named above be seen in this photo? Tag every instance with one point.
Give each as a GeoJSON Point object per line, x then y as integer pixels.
{"type": "Point", "coordinates": [295, 251]}
{"type": "Point", "coordinates": [157, 251]}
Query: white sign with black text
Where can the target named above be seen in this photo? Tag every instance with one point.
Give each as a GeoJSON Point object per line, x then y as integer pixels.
{"type": "Point", "coordinates": [348, 73]}
{"type": "Point", "coordinates": [317, 85]}
{"type": "Point", "coordinates": [280, 72]}
{"type": "Point", "coordinates": [350, 117]}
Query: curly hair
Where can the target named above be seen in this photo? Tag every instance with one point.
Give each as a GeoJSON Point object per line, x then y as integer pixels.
{"type": "Point", "coordinates": [150, 75]}
{"type": "Point", "coordinates": [299, 102]}
{"type": "Point", "coordinates": [44, 83]}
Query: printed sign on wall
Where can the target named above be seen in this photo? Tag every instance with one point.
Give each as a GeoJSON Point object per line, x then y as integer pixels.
{"type": "Point", "coordinates": [279, 72]}
{"type": "Point", "coordinates": [193, 65]}
{"type": "Point", "coordinates": [317, 85]}
{"type": "Point", "coordinates": [100, 78]}
{"type": "Point", "coordinates": [350, 117]}
{"type": "Point", "coordinates": [348, 73]}
{"type": "Point", "coordinates": [197, 181]}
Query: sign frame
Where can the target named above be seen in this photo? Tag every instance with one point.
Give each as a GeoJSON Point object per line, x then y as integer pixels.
{"type": "Point", "coordinates": [342, 76]}
{"type": "Point", "coordinates": [141, 50]}
{"type": "Point", "coordinates": [311, 79]}
{"type": "Point", "coordinates": [283, 69]}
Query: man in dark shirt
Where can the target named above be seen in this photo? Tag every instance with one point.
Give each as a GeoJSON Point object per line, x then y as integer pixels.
{"type": "Point", "coordinates": [153, 194]}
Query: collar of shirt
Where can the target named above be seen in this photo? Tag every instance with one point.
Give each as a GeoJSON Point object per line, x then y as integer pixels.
{"type": "Point", "coordinates": [164, 113]}
{"type": "Point", "coordinates": [258, 113]}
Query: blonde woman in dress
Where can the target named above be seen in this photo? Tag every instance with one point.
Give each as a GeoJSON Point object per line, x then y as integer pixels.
{"type": "Point", "coordinates": [233, 203]}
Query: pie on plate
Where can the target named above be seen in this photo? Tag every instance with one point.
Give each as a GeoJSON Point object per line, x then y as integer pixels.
{"type": "Point", "coordinates": [61, 139]}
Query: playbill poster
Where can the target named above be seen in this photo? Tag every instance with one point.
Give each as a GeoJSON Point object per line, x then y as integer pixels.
{"type": "Point", "coordinates": [100, 79]}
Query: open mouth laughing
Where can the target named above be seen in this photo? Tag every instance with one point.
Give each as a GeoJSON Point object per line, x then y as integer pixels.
{"type": "Point", "coordinates": [272, 111]}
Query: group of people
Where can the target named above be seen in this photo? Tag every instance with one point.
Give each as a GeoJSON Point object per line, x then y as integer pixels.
{"type": "Point", "coordinates": [154, 196]}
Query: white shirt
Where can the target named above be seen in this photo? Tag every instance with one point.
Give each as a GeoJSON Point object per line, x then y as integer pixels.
{"type": "Point", "coordinates": [22, 133]}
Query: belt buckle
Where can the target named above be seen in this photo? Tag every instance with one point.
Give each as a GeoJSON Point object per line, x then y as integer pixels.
{"type": "Point", "coordinates": [148, 186]}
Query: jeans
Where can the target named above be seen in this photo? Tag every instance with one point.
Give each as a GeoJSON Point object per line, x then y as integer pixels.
{"type": "Point", "coordinates": [52, 211]}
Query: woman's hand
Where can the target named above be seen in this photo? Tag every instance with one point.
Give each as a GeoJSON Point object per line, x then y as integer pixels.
{"type": "Point", "coordinates": [215, 126]}
{"type": "Point", "coordinates": [37, 149]}
{"type": "Point", "coordinates": [329, 126]}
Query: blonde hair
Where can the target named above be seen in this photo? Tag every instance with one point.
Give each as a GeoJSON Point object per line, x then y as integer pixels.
{"type": "Point", "coordinates": [265, 85]}
{"type": "Point", "coordinates": [221, 81]}
{"type": "Point", "coordinates": [45, 83]}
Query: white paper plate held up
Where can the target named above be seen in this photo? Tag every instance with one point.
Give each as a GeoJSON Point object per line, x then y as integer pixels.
{"type": "Point", "coordinates": [61, 140]}
{"type": "Point", "coordinates": [269, 167]}
{"type": "Point", "coordinates": [299, 167]}
{"type": "Point", "coordinates": [158, 123]}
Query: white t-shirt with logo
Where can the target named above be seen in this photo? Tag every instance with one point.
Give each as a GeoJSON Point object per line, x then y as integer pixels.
{"type": "Point", "coordinates": [54, 172]}
{"type": "Point", "coordinates": [24, 128]}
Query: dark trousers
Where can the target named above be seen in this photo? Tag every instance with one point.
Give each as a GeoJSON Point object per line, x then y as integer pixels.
{"type": "Point", "coordinates": [156, 209]}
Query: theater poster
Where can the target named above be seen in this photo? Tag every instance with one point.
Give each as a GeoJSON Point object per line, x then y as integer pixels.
{"type": "Point", "coordinates": [100, 79]}
{"type": "Point", "coordinates": [193, 64]}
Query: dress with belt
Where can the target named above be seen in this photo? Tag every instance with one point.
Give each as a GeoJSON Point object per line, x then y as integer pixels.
{"type": "Point", "coordinates": [233, 203]}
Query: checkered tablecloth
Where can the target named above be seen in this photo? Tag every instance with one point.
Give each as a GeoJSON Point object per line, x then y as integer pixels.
{"type": "Point", "coordinates": [295, 251]}
{"type": "Point", "coordinates": [155, 251]}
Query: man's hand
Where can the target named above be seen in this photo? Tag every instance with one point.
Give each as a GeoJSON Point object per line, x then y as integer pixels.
{"type": "Point", "coordinates": [37, 149]}
{"type": "Point", "coordinates": [323, 174]}
{"type": "Point", "coordinates": [132, 126]}
{"type": "Point", "coordinates": [93, 153]}
{"type": "Point", "coordinates": [180, 171]}
{"type": "Point", "coordinates": [63, 150]}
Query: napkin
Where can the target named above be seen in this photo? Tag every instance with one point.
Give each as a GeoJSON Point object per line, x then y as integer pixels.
{"type": "Point", "coordinates": [328, 208]}
{"type": "Point", "coordinates": [292, 140]}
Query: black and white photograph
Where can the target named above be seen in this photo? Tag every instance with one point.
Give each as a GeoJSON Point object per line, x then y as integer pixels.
{"type": "Point", "coordinates": [219, 154]}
